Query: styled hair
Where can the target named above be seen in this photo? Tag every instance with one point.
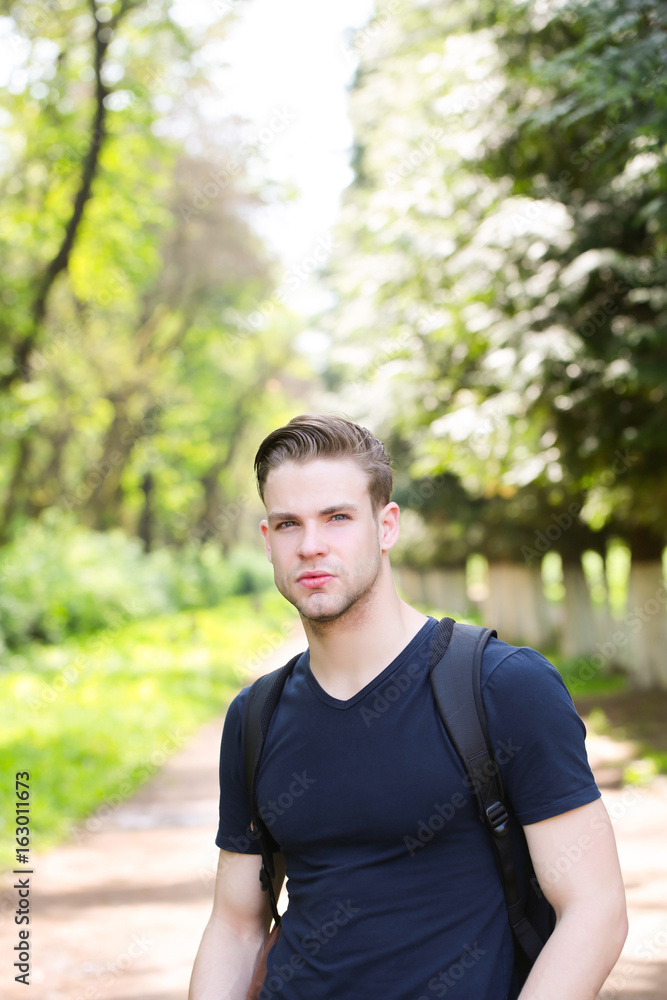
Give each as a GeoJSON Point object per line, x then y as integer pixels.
{"type": "Point", "coordinates": [314, 435]}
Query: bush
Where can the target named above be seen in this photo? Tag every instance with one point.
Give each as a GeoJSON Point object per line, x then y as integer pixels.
{"type": "Point", "coordinates": [95, 717]}
{"type": "Point", "coordinates": [58, 578]}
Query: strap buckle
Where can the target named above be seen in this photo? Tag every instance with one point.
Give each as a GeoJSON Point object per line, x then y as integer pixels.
{"type": "Point", "coordinates": [498, 819]}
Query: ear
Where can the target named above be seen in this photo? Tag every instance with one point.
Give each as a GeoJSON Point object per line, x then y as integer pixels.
{"type": "Point", "coordinates": [264, 528]}
{"type": "Point", "coordinates": [389, 527]}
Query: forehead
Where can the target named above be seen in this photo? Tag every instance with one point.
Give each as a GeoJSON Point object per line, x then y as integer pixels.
{"type": "Point", "coordinates": [317, 483]}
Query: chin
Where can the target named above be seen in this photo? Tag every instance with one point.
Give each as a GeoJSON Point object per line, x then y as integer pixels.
{"type": "Point", "coordinates": [318, 612]}
{"type": "Point", "coordinates": [317, 607]}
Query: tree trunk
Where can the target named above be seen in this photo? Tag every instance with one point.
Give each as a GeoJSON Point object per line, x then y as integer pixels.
{"type": "Point", "coordinates": [59, 263]}
{"type": "Point", "coordinates": [102, 491]}
{"type": "Point", "coordinates": [145, 529]}
{"type": "Point", "coordinates": [445, 587]}
{"type": "Point", "coordinates": [515, 604]}
{"type": "Point", "coordinates": [208, 525]}
{"type": "Point", "coordinates": [14, 490]}
{"type": "Point", "coordinates": [410, 584]}
{"type": "Point", "coordinates": [605, 623]}
{"type": "Point", "coordinates": [46, 483]}
{"type": "Point", "coordinates": [578, 631]}
{"type": "Point", "coordinates": [645, 621]}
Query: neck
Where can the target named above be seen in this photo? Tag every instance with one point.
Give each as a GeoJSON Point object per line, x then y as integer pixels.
{"type": "Point", "coordinates": [346, 653]}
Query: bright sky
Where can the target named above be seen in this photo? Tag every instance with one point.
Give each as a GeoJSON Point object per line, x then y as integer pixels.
{"type": "Point", "coordinates": [289, 65]}
{"type": "Point", "coordinates": [284, 65]}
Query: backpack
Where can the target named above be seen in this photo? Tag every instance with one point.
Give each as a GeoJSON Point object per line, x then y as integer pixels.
{"type": "Point", "coordinates": [455, 673]}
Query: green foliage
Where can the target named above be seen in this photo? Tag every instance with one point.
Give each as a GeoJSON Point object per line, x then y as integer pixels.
{"type": "Point", "coordinates": [642, 772]}
{"type": "Point", "coordinates": [132, 387]}
{"type": "Point", "coordinates": [584, 678]}
{"type": "Point", "coordinates": [93, 719]}
{"type": "Point", "coordinates": [505, 233]}
{"type": "Point", "coordinates": [59, 579]}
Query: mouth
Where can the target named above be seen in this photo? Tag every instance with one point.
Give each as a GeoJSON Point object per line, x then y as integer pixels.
{"type": "Point", "coordinates": [314, 579]}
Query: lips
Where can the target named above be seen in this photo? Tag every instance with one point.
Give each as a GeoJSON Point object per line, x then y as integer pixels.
{"type": "Point", "coordinates": [314, 578]}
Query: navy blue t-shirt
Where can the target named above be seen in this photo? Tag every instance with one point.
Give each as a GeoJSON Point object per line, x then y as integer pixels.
{"type": "Point", "coordinates": [392, 882]}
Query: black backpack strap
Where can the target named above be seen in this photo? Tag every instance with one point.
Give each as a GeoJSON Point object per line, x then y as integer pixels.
{"type": "Point", "coordinates": [456, 661]}
{"type": "Point", "coordinates": [258, 709]}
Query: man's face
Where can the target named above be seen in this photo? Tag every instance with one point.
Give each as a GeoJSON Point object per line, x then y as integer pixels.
{"type": "Point", "coordinates": [322, 536]}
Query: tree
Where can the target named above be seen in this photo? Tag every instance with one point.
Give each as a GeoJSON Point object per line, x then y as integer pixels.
{"type": "Point", "coordinates": [129, 261]}
{"type": "Point", "coordinates": [504, 230]}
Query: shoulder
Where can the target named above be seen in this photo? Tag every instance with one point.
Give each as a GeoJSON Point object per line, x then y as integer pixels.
{"type": "Point", "coordinates": [520, 672]}
{"type": "Point", "coordinates": [260, 689]}
{"type": "Point", "coordinates": [235, 710]}
{"type": "Point", "coordinates": [232, 727]}
{"type": "Point", "coordinates": [536, 733]}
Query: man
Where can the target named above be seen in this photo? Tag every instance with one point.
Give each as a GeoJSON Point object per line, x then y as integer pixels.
{"type": "Point", "coordinates": [393, 889]}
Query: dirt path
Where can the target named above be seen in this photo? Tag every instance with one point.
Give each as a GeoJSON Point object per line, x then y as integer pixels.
{"type": "Point", "coordinates": [119, 915]}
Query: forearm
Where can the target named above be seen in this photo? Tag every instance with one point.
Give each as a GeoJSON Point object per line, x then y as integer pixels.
{"type": "Point", "coordinates": [578, 956]}
{"type": "Point", "coordinates": [225, 962]}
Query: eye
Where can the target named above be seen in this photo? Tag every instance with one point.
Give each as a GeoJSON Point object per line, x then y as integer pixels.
{"type": "Point", "coordinates": [345, 516]}
{"type": "Point", "coordinates": [285, 524]}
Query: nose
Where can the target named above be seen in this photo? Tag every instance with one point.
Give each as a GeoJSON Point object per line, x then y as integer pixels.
{"type": "Point", "coordinates": [312, 542]}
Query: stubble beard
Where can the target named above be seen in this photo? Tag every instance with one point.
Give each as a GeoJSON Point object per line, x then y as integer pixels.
{"type": "Point", "coordinates": [352, 607]}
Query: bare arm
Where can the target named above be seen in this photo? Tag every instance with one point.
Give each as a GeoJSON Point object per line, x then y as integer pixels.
{"type": "Point", "coordinates": [235, 935]}
{"type": "Point", "coordinates": [576, 863]}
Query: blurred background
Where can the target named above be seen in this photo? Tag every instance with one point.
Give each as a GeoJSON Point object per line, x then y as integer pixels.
{"type": "Point", "coordinates": [447, 221]}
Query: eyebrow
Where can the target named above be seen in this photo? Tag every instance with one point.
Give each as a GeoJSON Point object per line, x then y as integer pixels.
{"type": "Point", "coordinates": [336, 508]}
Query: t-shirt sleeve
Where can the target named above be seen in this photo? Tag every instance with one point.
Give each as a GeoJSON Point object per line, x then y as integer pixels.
{"type": "Point", "coordinates": [537, 736]}
{"type": "Point", "coordinates": [234, 833]}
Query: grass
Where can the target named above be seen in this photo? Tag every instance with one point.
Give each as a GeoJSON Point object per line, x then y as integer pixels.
{"type": "Point", "coordinates": [612, 707]}
{"type": "Point", "coordinates": [92, 719]}
{"type": "Point", "coordinates": [584, 680]}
